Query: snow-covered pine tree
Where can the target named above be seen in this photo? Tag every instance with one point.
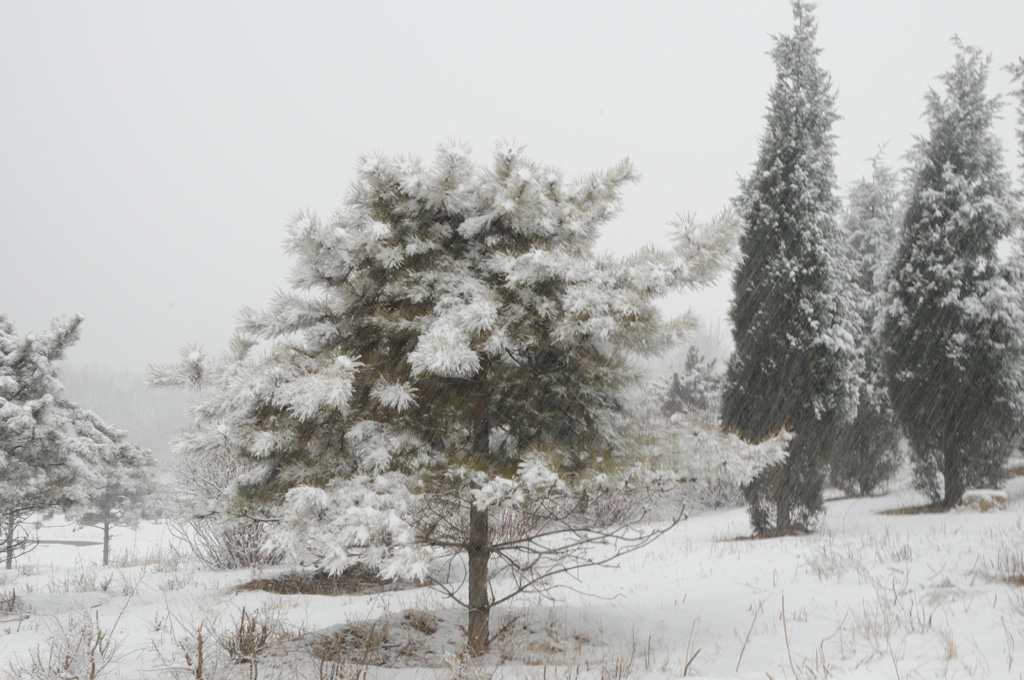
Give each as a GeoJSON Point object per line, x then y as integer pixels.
{"type": "Point", "coordinates": [125, 493]}
{"type": "Point", "coordinates": [456, 353]}
{"type": "Point", "coordinates": [867, 451]}
{"type": "Point", "coordinates": [793, 363]}
{"type": "Point", "coordinates": [47, 454]}
{"type": "Point", "coordinates": [953, 330]}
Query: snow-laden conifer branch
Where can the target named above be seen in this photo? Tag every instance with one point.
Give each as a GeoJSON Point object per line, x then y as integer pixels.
{"type": "Point", "coordinates": [187, 373]}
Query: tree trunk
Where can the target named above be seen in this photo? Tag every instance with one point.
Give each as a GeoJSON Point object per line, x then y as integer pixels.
{"type": "Point", "coordinates": [783, 504]}
{"type": "Point", "coordinates": [479, 606]}
{"type": "Point", "coordinates": [106, 543]}
{"type": "Point", "coordinates": [478, 546]}
{"type": "Point", "coordinates": [953, 477]}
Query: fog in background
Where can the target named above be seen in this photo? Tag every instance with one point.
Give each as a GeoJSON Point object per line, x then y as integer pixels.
{"type": "Point", "coordinates": [150, 417]}
{"type": "Point", "coordinates": [151, 152]}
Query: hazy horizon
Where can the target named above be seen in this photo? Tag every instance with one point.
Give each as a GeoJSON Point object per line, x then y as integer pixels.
{"type": "Point", "coordinates": [150, 155]}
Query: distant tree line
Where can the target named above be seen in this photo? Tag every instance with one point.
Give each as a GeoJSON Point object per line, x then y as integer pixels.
{"type": "Point", "coordinates": [121, 396]}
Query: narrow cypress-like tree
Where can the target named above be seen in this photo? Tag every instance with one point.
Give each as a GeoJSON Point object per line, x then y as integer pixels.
{"type": "Point", "coordinates": [792, 366]}
{"type": "Point", "coordinates": [953, 329]}
{"type": "Point", "coordinates": [867, 451]}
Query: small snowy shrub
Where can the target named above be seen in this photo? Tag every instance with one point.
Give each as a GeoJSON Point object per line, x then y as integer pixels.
{"type": "Point", "coordinates": [192, 650]}
{"type": "Point", "coordinates": [251, 635]}
{"type": "Point", "coordinates": [217, 533]}
{"type": "Point", "coordinates": [80, 648]}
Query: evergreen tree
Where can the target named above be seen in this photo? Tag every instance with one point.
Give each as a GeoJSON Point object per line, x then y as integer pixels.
{"type": "Point", "coordinates": [466, 358]}
{"type": "Point", "coordinates": [794, 353]}
{"type": "Point", "coordinates": [47, 446]}
{"type": "Point", "coordinates": [126, 492]}
{"type": "Point", "coordinates": [953, 331]}
{"type": "Point", "coordinates": [867, 451]}
{"type": "Point", "coordinates": [697, 390]}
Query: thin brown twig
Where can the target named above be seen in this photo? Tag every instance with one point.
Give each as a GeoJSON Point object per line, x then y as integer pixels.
{"type": "Point", "coordinates": [757, 610]}
{"type": "Point", "coordinates": [785, 632]}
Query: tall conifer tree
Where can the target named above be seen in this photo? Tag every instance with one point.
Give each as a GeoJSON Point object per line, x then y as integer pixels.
{"type": "Point", "coordinates": [792, 366]}
{"type": "Point", "coordinates": [953, 331]}
{"type": "Point", "coordinates": [867, 451]}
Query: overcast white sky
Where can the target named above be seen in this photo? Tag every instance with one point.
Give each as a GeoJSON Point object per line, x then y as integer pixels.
{"type": "Point", "coordinates": [151, 152]}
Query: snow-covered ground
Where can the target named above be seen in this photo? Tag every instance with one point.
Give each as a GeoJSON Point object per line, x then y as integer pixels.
{"type": "Point", "coordinates": [867, 596]}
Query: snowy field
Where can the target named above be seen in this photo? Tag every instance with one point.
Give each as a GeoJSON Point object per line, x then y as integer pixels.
{"type": "Point", "coordinates": [868, 596]}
